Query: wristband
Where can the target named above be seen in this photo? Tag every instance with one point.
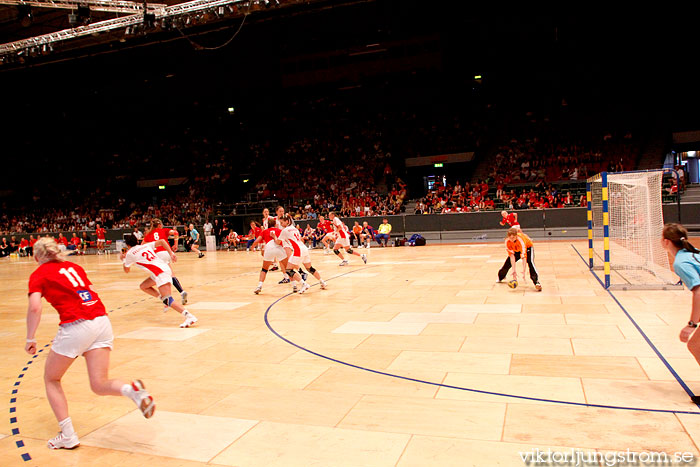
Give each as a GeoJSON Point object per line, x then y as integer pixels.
{"type": "Point", "coordinates": [31, 341]}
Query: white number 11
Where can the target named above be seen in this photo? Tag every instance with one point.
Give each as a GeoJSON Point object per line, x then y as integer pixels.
{"type": "Point", "coordinates": [72, 276]}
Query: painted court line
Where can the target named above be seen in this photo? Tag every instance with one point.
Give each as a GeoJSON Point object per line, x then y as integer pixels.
{"type": "Point", "coordinates": [442, 385]}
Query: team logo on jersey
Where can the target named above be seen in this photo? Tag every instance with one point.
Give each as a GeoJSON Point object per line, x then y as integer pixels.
{"type": "Point", "coordinates": [86, 297]}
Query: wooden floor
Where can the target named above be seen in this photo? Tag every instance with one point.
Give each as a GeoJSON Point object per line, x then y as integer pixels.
{"type": "Point", "coordinates": [418, 358]}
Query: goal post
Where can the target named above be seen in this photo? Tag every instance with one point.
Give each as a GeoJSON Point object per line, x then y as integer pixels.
{"type": "Point", "coordinates": [625, 223]}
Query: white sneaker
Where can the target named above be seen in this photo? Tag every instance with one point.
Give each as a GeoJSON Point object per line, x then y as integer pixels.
{"type": "Point", "coordinates": [142, 399]}
{"type": "Point", "coordinates": [257, 290]}
{"type": "Point", "coordinates": [364, 258]}
{"type": "Point", "coordinates": [323, 285]}
{"type": "Point", "coordinates": [190, 319]}
{"type": "Point", "coordinates": [64, 442]}
{"type": "Point", "coordinates": [294, 288]}
{"type": "Point", "coordinates": [304, 287]}
{"type": "Point", "coordinates": [344, 263]}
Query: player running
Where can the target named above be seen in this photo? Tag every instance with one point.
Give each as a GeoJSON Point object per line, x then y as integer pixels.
{"type": "Point", "coordinates": [158, 232]}
{"type": "Point", "coordinates": [272, 252]}
{"type": "Point", "coordinates": [145, 257]}
{"type": "Point", "coordinates": [194, 236]}
{"type": "Point", "coordinates": [297, 254]}
{"type": "Point", "coordinates": [343, 240]}
{"type": "Point", "coordinates": [84, 329]}
{"type": "Point", "coordinates": [519, 246]}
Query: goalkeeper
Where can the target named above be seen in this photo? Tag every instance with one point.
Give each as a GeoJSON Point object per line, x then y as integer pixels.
{"type": "Point", "coordinates": [519, 246]}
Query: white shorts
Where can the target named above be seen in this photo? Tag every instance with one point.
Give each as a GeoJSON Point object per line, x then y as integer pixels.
{"type": "Point", "coordinates": [100, 240]}
{"type": "Point", "coordinates": [274, 252]}
{"type": "Point", "coordinates": [162, 278]}
{"type": "Point", "coordinates": [164, 256]}
{"type": "Point", "coordinates": [342, 242]}
{"type": "Point", "coordinates": [301, 259]}
{"type": "Point", "coordinates": [76, 338]}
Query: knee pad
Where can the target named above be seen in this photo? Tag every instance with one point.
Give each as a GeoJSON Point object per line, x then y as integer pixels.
{"type": "Point", "coordinates": [167, 301]}
{"type": "Point", "coordinates": [350, 250]}
{"type": "Point", "coordinates": [264, 270]}
{"type": "Point", "coordinates": [337, 252]}
{"type": "Point", "coordinates": [312, 270]}
{"type": "Point", "coordinates": [291, 272]}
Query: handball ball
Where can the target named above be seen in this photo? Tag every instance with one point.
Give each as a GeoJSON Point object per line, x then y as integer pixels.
{"type": "Point", "coordinates": [512, 284]}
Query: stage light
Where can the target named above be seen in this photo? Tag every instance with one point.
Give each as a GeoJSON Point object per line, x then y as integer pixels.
{"type": "Point", "coordinates": [24, 14]}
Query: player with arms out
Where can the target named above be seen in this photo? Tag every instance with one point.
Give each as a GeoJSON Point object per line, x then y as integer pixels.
{"type": "Point", "coordinates": [100, 233]}
{"type": "Point", "coordinates": [343, 240]}
{"type": "Point", "coordinates": [511, 220]}
{"type": "Point", "coordinates": [686, 265]}
{"type": "Point", "coordinates": [146, 258]}
{"type": "Point", "coordinates": [519, 246]}
{"type": "Point", "coordinates": [297, 254]}
{"type": "Point", "coordinates": [84, 329]}
{"type": "Point", "coordinates": [158, 232]}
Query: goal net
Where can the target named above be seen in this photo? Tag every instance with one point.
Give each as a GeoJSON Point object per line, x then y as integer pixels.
{"type": "Point", "coordinates": [625, 223]}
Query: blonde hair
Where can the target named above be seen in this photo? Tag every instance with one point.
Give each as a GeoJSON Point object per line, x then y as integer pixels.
{"type": "Point", "coordinates": [46, 249]}
{"type": "Point", "coordinates": [512, 232]}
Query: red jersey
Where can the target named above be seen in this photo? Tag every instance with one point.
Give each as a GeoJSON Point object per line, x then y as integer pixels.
{"type": "Point", "coordinates": [100, 232]}
{"type": "Point", "coordinates": [23, 243]}
{"type": "Point", "coordinates": [326, 226]}
{"type": "Point", "coordinates": [32, 241]}
{"type": "Point", "coordinates": [75, 241]}
{"type": "Point", "coordinates": [66, 287]}
{"type": "Point", "coordinates": [157, 234]}
{"type": "Point", "coordinates": [510, 220]}
{"type": "Point", "coordinates": [267, 234]}
{"type": "Point", "coordinates": [62, 241]}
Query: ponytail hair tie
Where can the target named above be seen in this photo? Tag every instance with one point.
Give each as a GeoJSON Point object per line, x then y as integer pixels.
{"type": "Point", "coordinates": [682, 239]}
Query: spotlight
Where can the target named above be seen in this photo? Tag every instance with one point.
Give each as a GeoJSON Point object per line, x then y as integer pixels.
{"type": "Point", "coordinates": [221, 11]}
{"type": "Point", "coordinates": [72, 19]}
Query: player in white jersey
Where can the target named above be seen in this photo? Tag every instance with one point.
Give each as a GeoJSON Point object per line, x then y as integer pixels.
{"type": "Point", "coordinates": [297, 254]}
{"type": "Point", "coordinates": [145, 257]}
{"type": "Point", "coordinates": [342, 240]}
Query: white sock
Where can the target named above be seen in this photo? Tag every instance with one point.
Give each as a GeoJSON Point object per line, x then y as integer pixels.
{"type": "Point", "coordinates": [127, 390]}
{"type": "Point", "coordinates": [67, 427]}
{"type": "Point", "coordinates": [259, 284]}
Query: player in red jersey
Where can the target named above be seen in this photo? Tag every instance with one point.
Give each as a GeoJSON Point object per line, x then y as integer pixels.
{"type": "Point", "coordinates": [158, 232]}
{"type": "Point", "coordinates": [343, 240]}
{"type": "Point", "coordinates": [326, 226]}
{"type": "Point", "coordinates": [84, 329]}
{"type": "Point", "coordinates": [297, 254]}
{"type": "Point", "coordinates": [100, 233]}
{"type": "Point", "coordinates": [271, 253]}
{"type": "Point", "coordinates": [146, 258]}
{"type": "Point", "coordinates": [511, 220]}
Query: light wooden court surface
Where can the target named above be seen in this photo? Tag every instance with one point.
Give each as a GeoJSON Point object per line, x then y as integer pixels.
{"type": "Point", "coordinates": [231, 392]}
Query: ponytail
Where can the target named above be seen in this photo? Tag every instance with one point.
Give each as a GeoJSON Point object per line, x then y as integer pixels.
{"type": "Point", "coordinates": [678, 235]}
{"type": "Point", "coordinates": [46, 250]}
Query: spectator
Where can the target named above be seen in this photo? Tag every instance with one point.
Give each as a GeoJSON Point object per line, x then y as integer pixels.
{"type": "Point", "coordinates": [4, 248]}
{"type": "Point", "coordinates": [384, 233]}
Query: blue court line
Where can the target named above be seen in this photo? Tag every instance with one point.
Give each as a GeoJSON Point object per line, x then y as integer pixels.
{"type": "Point", "coordinates": [639, 329]}
{"type": "Point", "coordinates": [448, 386]}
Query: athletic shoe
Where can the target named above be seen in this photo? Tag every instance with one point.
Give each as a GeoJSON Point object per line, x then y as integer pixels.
{"type": "Point", "coordinates": [257, 290]}
{"type": "Point", "coordinates": [344, 263]}
{"type": "Point", "coordinates": [274, 268]}
{"type": "Point", "coordinates": [304, 287]}
{"type": "Point", "coordinates": [364, 258]}
{"type": "Point", "coordinates": [538, 287]}
{"type": "Point", "coordinates": [294, 288]}
{"type": "Point", "coordinates": [284, 281]}
{"type": "Point", "coordinates": [323, 285]}
{"type": "Point", "coordinates": [201, 255]}
{"type": "Point", "coordinates": [247, 249]}
{"type": "Point", "coordinates": [183, 295]}
{"type": "Point", "coordinates": [64, 442]}
{"type": "Point", "coordinates": [189, 321]}
{"type": "Point", "coordinates": [142, 399]}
